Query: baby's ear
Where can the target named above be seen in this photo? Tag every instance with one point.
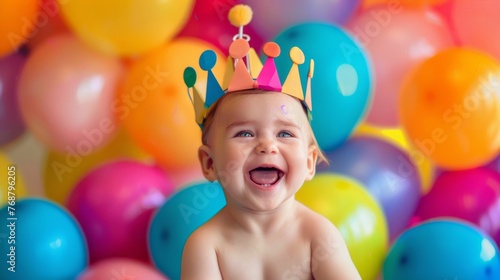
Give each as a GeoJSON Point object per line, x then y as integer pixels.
{"type": "Point", "coordinates": [312, 159]}
{"type": "Point", "coordinates": [207, 163]}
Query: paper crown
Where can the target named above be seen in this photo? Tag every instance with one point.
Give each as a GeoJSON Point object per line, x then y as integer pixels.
{"type": "Point", "coordinates": [250, 75]}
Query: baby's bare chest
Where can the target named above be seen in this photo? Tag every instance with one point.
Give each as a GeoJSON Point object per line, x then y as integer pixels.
{"type": "Point", "coordinates": [278, 259]}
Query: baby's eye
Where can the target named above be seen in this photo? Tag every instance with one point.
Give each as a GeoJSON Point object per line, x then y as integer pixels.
{"type": "Point", "coordinates": [285, 134]}
{"type": "Point", "coordinates": [244, 133]}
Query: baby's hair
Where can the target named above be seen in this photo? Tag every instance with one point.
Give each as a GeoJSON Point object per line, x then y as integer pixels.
{"type": "Point", "coordinates": [210, 117]}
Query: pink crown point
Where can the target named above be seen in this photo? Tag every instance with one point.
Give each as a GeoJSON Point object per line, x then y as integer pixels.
{"type": "Point", "coordinates": [241, 77]}
{"type": "Point", "coordinates": [292, 85]}
{"type": "Point", "coordinates": [207, 61]}
{"type": "Point", "coordinates": [268, 78]}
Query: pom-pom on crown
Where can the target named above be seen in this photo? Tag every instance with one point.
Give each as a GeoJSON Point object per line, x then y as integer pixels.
{"type": "Point", "coordinates": [245, 71]}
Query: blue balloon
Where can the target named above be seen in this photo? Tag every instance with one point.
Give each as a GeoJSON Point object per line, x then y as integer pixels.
{"type": "Point", "coordinates": [342, 84]}
{"type": "Point", "coordinates": [179, 216]}
{"type": "Point", "coordinates": [41, 241]}
{"type": "Point", "coordinates": [443, 249]}
{"type": "Point", "coordinates": [386, 172]}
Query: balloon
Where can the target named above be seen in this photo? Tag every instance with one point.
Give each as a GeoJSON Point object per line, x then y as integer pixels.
{"type": "Point", "coordinates": [450, 108]}
{"type": "Point", "coordinates": [395, 136]}
{"type": "Point", "coordinates": [126, 28]}
{"type": "Point", "coordinates": [272, 17]}
{"type": "Point", "coordinates": [173, 223]}
{"type": "Point", "coordinates": [121, 268]}
{"type": "Point", "coordinates": [11, 122]}
{"type": "Point", "coordinates": [402, 3]}
{"type": "Point", "coordinates": [114, 204]}
{"type": "Point", "coordinates": [385, 171]}
{"type": "Point", "coordinates": [443, 249]}
{"type": "Point", "coordinates": [359, 218]}
{"type": "Point", "coordinates": [66, 94]}
{"type": "Point", "coordinates": [209, 23]}
{"type": "Point", "coordinates": [18, 23]}
{"type": "Point", "coordinates": [342, 82]}
{"type": "Point", "coordinates": [469, 17]}
{"type": "Point", "coordinates": [155, 108]}
{"type": "Point", "coordinates": [41, 240]}
{"type": "Point", "coordinates": [472, 195]}
{"type": "Point", "coordinates": [397, 40]}
{"type": "Point", "coordinates": [63, 171]}
{"type": "Point", "coordinates": [12, 186]}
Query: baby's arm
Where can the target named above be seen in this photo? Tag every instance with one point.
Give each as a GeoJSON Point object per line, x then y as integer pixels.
{"type": "Point", "coordinates": [330, 257]}
{"type": "Point", "coordinates": [199, 260]}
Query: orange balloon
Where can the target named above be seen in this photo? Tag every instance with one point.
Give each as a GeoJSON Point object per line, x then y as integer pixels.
{"type": "Point", "coordinates": [402, 3]}
{"type": "Point", "coordinates": [155, 107]}
{"type": "Point", "coordinates": [450, 108]}
{"type": "Point", "coordinates": [18, 23]}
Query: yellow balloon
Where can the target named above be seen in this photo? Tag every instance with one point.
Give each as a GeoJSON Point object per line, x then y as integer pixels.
{"type": "Point", "coordinates": [359, 218]}
{"type": "Point", "coordinates": [397, 137]}
{"type": "Point", "coordinates": [12, 185]}
{"type": "Point", "coordinates": [126, 27]}
{"type": "Point", "coordinates": [64, 171]}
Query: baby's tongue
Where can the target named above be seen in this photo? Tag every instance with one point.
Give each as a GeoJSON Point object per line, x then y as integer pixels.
{"type": "Point", "coordinates": [263, 176]}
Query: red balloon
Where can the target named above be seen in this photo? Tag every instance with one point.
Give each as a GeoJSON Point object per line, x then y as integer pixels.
{"type": "Point", "coordinates": [209, 22]}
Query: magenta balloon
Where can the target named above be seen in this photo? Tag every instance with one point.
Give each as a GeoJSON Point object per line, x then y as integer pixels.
{"type": "Point", "coordinates": [11, 122]}
{"type": "Point", "coordinates": [396, 40]}
{"type": "Point", "coordinates": [476, 24]}
{"type": "Point", "coordinates": [114, 204]}
{"type": "Point", "coordinates": [209, 22]}
{"type": "Point", "coordinates": [387, 173]}
{"type": "Point", "coordinates": [271, 17]}
{"type": "Point", "coordinates": [472, 195]}
{"type": "Point", "coordinates": [66, 95]}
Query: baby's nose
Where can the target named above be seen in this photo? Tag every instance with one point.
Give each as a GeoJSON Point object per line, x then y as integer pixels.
{"type": "Point", "coordinates": [266, 145]}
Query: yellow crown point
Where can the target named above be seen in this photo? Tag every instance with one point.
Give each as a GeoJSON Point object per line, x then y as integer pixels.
{"type": "Point", "coordinates": [240, 15]}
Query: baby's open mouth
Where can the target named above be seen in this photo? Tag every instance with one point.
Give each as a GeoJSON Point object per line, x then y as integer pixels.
{"type": "Point", "coordinates": [266, 176]}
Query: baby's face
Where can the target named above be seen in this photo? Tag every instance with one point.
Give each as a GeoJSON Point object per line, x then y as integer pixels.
{"type": "Point", "coordinates": [260, 148]}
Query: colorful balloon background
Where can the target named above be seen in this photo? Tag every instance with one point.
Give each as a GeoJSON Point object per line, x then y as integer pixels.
{"type": "Point", "coordinates": [96, 119]}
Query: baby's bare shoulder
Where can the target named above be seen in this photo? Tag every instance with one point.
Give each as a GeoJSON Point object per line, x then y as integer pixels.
{"type": "Point", "coordinates": [313, 223]}
{"type": "Point", "coordinates": [330, 256]}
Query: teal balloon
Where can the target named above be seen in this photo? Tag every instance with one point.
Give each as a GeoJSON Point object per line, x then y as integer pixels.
{"type": "Point", "coordinates": [443, 249]}
{"type": "Point", "coordinates": [176, 219]}
{"type": "Point", "coordinates": [40, 240]}
{"type": "Point", "coordinates": [342, 84]}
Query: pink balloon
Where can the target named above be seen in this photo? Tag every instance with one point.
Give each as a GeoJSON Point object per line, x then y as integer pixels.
{"type": "Point", "coordinates": [121, 268]}
{"type": "Point", "coordinates": [472, 195]}
{"type": "Point", "coordinates": [476, 24]}
{"type": "Point", "coordinates": [114, 204]}
{"type": "Point", "coordinates": [66, 94]}
{"type": "Point", "coordinates": [397, 40]}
